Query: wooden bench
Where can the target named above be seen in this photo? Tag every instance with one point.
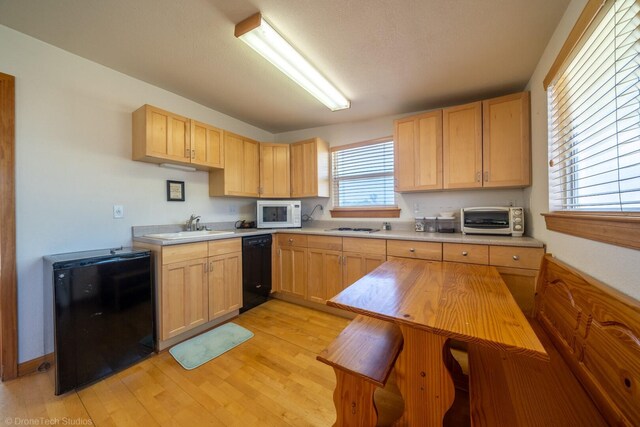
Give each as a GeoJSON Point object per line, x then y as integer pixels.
{"type": "Point", "coordinates": [593, 379]}
{"type": "Point", "coordinates": [362, 357]}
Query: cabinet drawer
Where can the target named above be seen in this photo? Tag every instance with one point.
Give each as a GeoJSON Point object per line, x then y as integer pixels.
{"type": "Point", "coordinates": [299, 240]}
{"type": "Point", "coordinates": [226, 246]}
{"type": "Point", "coordinates": [514, 256]}
{"type": "Point", "coordinates": [179, 253]}
{"type": "Point", "coordinates": [460, 252]}
{"type": "Point", "coordinates": [324, 242]}
{"type": "Point", "coordinates": [410, 249]}
{"type": "Point", "coordinates": [364, 246]}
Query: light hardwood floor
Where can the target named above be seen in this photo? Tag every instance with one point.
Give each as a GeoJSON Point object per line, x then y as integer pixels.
{"type": "Point", "coordinates": [273, 379]}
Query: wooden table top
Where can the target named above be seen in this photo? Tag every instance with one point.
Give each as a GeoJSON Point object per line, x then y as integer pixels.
{"type": "Point", "coordinates": [462, 301]}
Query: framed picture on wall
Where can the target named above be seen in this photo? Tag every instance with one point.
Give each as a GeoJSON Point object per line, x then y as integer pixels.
{"type": "Point", "coordinates": [175, 191]}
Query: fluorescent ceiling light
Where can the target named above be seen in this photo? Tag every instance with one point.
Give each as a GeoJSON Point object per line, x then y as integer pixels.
{"type": "Point", "coordinates": [178, 167]}
{"type": "Point", "coordinates": [264, 39]}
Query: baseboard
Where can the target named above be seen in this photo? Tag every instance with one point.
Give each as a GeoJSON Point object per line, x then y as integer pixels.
{"type": "Point", "coordinates": [314, 305]}
{"type": "Point", "coordinates": [33, 365]}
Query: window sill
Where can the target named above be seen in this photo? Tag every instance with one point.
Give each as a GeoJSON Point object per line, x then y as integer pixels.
{"type": "Point", "coordinates": [621, 229]}
{"type": "Point", "coordinates": [391, 212]}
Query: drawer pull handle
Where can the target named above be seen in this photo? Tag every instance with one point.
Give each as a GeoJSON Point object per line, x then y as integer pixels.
{"type": "Point", "coordinates": [465, 253]}
{"type": "Point", "coordinates": [516, 257]}
{"type": "Point", "coordinates": [290, 240]}
{"type": "Point", "coordinates": [412, 250]}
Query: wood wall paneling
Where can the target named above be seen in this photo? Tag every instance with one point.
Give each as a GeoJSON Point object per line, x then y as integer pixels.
{"type": "Point", "coordinates": [8, 282]}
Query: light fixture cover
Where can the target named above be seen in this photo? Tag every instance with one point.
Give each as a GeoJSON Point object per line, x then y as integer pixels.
{"type": "Point", "coordinates": [178, 167]}
{"type": "Point", "coordinates": [264, 39]}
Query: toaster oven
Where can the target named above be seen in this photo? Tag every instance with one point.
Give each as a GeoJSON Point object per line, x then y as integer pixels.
{"type": "Point", "coordinates": [492, 220]}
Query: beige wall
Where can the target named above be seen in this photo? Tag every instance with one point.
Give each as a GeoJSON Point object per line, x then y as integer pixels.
{"type": "Point", "coordinates": [427, 204]}
{"type": "Point", "coordinates": [73, 163]}
{"type": "Point", "coordinates": [618, 267]}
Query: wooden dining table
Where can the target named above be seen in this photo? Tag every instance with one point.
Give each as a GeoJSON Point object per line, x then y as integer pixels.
{"type": "Point", "coordinates": [432, 303]}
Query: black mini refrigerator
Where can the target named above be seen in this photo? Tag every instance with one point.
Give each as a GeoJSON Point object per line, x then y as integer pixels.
{"type": "Point", "coordinates": [102, 309]}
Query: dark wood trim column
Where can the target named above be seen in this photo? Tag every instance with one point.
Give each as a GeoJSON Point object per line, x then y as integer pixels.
{"type": "Point", "coordinates": [8, 282]}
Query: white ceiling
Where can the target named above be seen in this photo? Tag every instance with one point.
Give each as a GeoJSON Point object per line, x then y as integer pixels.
{"type": "Point", "coordinates": [387, 56]}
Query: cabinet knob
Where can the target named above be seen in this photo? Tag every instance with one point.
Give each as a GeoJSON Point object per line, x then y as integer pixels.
{"type": "Point", "coordinates": [486, 176]}
{"type": "Point", "coordinates": [516, 257]}
{"type": "Point", "coordinates": [412, 250]}
{"type": "Point", "coordinates": [291, 241]}
{"type": "Point", "coordinates": [478, 174]}
{"type": "Point", "coordinates": [465, 253]}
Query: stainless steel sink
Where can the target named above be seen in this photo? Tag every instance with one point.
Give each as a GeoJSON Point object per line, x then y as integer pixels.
{"type": "Point", "coordinates": [187, 234]}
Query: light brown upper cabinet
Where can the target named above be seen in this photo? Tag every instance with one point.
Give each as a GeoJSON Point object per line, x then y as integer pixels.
{"type": "Point", "coordinates": [207, 147]}
{"type": "Point", "coordinates": [163, 137]}
{"type": "Point", "coordinates": [506, 144]}
{"type": "Point", "coordinates": [274, 171]}
{"type": "Point", "coordinates": [309, 168]}
{"type": "Point", "coordinates": [160, 136]}
{"type": "Point", "coordinates": [462, 146]}
{"type": "Point", "coordinates": [240, 176]}
{"type": "Point", "coordinates": [487, 144]}
{"type": "Point", "coordinates": [418, 152]}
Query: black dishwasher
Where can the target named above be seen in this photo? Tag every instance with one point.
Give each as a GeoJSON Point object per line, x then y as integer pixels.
{"type": "Point", "coordinates": [102, 311]}
{"type": "Point", "coordinates": [256, 270]}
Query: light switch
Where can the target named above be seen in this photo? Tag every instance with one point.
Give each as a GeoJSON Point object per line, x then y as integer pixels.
{"type": "Point", "coordinates": [118, 211]}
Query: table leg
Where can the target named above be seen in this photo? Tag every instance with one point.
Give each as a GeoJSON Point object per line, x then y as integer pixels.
{"type": "Point", "coordinates": [423, 378]}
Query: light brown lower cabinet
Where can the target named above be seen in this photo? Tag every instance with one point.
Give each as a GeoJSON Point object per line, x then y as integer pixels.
{"type": "Point", "coordinates": [324, 274]}
{"type": "Point", "coordinates": [319, 267]}
{"type": "Point", "coordinates": [357, 265]}
{"type": "Point", "coordinates": [184, 297]}
{"type": "Point", "coordinates": [292, 270]}
{"type": "Point", "coordinates": [196, 283]}
{"type": "Point", "coordinates": [225, 284]}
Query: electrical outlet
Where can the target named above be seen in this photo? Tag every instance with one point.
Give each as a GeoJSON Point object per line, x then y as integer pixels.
{"type": "Point", "coordinates": [233, 210]}
{"type": "Point", "coordinates": [118, 211]}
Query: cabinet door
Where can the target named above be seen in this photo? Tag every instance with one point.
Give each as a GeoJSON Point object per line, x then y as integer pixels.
{"type": "Point", "coordinates": [506, 141]}
{"type": "Point", "coordinates": [324, 277]}
{"type": "Point", "coordinates": [274, 170]}
{"type": "Point", "coordinates": [357, 265]}
{"type": "Point", "coordinates": [418, 152]}
{"type": "Point", "coordinates": [168, 135]}
{"type": "Point", "coordinates": [234, 164]}
{"type": "Point", "coordinates": [462, 146]}
{"type": "Point", "coordinates": [522, 284]}
{"type": "Point", "coordinates": [184, 297]}
{"type": "Point", "coordinates": [207, 148]}
{"type": "Point", "coordinates": [303, 169]}
{"type": "Point", "coordinates": [251, 172]}
{"type": "Point", "coordinates": [293, 270]}
{"type": "Point", "coordinates": [225, 284]}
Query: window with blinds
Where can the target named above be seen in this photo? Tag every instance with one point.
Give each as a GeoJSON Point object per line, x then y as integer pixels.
{"type": "Point", "coordinates": [594, 118]}
{"type": "Point", "coordinates": [363, 175]}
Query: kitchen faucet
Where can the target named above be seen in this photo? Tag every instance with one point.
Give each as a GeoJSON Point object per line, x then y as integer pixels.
{"type": "Point", "coordinates": [193, 223]}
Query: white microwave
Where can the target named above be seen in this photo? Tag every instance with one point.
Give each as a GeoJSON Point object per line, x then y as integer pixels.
{"type": "Point", "coordinates": [279, 213]}
{"type": "Point", "coordinates": [493, 220]}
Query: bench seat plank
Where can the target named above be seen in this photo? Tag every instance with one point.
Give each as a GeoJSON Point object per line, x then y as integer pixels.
{"type": "Point", "coordinates": [366, 348]}
{"type": "Point", "coordinates": [511, 390]}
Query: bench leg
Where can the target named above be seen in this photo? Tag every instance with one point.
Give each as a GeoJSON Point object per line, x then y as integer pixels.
{"type": "Point", "coordinates": [353, 398]}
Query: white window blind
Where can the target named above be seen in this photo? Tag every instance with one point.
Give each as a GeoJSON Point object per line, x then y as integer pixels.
{"type": "Point", "coordinates": [363, 176]}
{"type": "Point", "coordinates": [594, 118]}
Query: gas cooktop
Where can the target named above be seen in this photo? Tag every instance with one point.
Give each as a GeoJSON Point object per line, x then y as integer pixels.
{"type": "Point", "coordinates": [359, 229]}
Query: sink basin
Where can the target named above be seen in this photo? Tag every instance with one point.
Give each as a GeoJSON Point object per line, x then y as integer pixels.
{"type": "Point", "coordinates": [187, 234]}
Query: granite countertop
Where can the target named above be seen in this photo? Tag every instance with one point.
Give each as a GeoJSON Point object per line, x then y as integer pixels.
{"type": "Point", "coordinates": [382, 234]}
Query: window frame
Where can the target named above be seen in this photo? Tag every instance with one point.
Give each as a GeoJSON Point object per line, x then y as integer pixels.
{"type": "Point", "coordinates": [362, 211]}
{"type": "Point", "coordinates": [617, 228]}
